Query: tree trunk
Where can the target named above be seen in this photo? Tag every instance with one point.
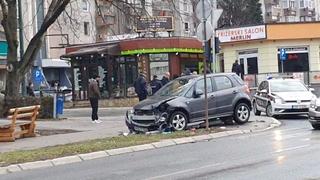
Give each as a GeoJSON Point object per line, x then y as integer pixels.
{"type": "Point", "coordinates": [12, 84]}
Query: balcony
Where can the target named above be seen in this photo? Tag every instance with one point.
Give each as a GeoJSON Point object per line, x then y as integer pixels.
{"type": "Point", "coordinates": [307, 12]}
{"type": "Point", "coordinates": [289, 12]}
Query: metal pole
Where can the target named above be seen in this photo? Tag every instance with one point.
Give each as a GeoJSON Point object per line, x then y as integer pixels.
{"type": "Point", "coordinates": [282, 66]}
{"type": "Point", "coordinates": [21, 42]}
{"type": "Point", "coordinates": [213, 36]}
{"type": "Point", "coordinates": [205, 65]}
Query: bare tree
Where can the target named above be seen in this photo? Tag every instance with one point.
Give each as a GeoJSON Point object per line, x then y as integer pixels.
{"type": "Point", "coordinates": [17, 69]}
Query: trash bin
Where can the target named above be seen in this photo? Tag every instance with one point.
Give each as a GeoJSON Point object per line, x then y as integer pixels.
{"type": "Point", "coordinates": [60, 103]}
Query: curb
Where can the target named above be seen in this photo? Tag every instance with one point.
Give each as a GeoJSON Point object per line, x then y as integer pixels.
{"type": "Point", "coordinates": [113, 152]}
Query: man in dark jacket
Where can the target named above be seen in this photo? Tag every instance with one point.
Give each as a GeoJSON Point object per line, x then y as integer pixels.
{"type": "Point", "coordinates": [155, 84]}
{"type": "Point", "coordinates": [140, 86]}
{"type": "Point", "coordinates": [236, 68]}
{"type": "Point", "coordinates": [165, 79]}
{"type": "Point", "coordinates": [94, 95]}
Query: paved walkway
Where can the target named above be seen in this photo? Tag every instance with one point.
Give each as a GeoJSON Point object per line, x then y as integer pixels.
{"type": "Point", "coordinates": [113, 124]}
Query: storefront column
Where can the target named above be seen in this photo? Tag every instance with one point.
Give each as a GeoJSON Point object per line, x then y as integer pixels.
{"type": "Point", "coordinates": [174, 65]}
{"type": "Point", "coordinates": [110, 74]}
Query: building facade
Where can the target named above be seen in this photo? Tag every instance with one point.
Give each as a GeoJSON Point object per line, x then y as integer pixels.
{"type": "Point", "coordinates": [75, 26]}
{"type": "Point", "coordinates": [258, 48]}
{"type": "Point", "coordinates": [290, 10]}
{"type": "Point", "coordinates": [118, 18]}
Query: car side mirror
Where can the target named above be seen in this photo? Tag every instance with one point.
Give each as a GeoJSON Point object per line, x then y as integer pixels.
{"type": "Point", "coordinates": [263, 91]}
{"type": "Point", "coordinates": [198, 93]}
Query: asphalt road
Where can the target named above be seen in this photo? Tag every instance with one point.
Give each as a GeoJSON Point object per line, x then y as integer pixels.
{"type": "Point", "coordinates": [288, 152]}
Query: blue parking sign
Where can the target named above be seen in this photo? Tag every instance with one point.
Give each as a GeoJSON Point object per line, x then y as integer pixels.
{"type": "Point", "coordinates": [283, 54]}
{"type": "Point", "coordinates": [37, 75]}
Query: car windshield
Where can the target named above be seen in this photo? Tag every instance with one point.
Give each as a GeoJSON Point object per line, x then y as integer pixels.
{"type": "Point", "coordinates": [175, 87]}
{"type": "Point", "coordinates": [287, 86]}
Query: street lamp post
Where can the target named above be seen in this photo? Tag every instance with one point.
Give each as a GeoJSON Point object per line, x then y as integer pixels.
{"type": "Point", "coordinates": [204, 20]}
{"type": "Point", "coordinates": [23, 84]}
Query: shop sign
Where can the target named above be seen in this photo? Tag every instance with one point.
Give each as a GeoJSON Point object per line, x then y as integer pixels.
{"type": "Point", "coordinates": [241, 34]}
{"type": "Point", "coordinates": [155, 24]}
{"type": "Point", "coordinates": [314, 77]}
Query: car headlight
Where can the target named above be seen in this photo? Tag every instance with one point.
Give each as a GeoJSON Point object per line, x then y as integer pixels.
{"type": "Point", "coordinates": [131, 111]}
{"type": "Point", "coordinates": [278, 101]}
{"type": "Point", "coordinates": [315, 103]}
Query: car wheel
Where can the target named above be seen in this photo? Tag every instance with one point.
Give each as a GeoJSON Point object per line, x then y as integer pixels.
{"type": "Point", "coordinates": [179, 121]}
{"type": "Point", "coordinates": [269, 111]}
{"type": "Point", "coordinates": [316, 126]}
{"type": "Point", "coordinates": [255, 109]}
{"type": "Point", "coordinates": [242, 113]}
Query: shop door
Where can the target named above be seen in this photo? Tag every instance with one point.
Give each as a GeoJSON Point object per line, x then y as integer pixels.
{"type": "Point", "coordinates": [249, 63]}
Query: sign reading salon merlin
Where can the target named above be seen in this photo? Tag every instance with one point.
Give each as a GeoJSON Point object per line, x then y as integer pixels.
{"type": "Point", "coordinates": [155, 24]}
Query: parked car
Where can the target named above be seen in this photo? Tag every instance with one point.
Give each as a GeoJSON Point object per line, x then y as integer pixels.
{"type": "Point", "coordinates": [282, 97]}
{"type": "Point", "coordinates": [314, 113]}
{"type": "Point", "coordinates": [181, 103]}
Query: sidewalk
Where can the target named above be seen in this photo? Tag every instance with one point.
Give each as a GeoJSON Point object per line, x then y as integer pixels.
{"type": "Point", "coordinates": [113, 123]}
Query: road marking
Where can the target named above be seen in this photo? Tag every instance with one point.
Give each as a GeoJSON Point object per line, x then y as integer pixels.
{"type": "Point", "coordinates": [183, 171]}
{"type": "Point", "coordinates": [291, 148]}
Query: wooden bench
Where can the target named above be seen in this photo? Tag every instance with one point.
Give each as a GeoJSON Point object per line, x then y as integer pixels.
{"type": "Point", "coordinates": [21, 123]}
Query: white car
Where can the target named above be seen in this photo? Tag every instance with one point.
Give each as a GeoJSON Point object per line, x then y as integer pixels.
{"type": "Point", "coordinates": [282, 97]}
{"type": "Point", "coordinates": [314, 113]}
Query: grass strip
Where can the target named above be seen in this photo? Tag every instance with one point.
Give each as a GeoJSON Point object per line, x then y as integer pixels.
{"type": "Point", "coordinates": [52, 152]}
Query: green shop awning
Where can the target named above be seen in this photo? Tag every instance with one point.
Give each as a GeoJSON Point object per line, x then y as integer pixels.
{"type": "Point", "coordinates": [161, 50]}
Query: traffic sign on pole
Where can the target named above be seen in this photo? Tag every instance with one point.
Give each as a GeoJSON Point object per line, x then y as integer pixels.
{"type": "Point", "coordinates": [283, 57]}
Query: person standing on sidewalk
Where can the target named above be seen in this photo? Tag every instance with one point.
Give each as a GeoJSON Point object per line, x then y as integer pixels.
{"type": "Point", "coordinates": [140, 86]}
{"type": "Point", "coordinates": [94, 95]}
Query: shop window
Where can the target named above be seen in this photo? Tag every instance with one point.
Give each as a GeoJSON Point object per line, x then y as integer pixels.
{"type": "Point", "coordinates": [295, 62]}
{"type": "Point", "coordinates": [159, 64]}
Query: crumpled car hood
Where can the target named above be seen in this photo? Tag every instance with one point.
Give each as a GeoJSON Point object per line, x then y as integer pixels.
{"type": "Point", "coordinates": [153, 102]}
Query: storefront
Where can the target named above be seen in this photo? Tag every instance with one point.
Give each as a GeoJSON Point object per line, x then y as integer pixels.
{"type": "Point", "coordinates": [118, 63]}
{"type": "Point", "coordinates": [257, 48]}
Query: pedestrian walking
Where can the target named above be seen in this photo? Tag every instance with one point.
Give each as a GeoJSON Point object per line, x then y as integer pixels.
{"type": "Point", "coordinates": [165, 79]}
{"type": "Point", "coordinates": [155, 84]}
{"type": "Point", "coordinates": [140, 86]}
{"type": "Point", "coordinates": [94, 96]}
{"type": "Point", "coordinates": [30, 89]}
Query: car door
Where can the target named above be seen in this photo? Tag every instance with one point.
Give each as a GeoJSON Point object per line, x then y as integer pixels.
{"type": "Point", "coordinates": [224, 94]}
{"type": "Point", "coordinates": [195, 104]}
{"type": "Point", "coordinates": [262, 96]}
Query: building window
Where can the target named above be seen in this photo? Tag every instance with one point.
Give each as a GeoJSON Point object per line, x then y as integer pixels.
{"type": "Point", "coordinates": [85, 5]}
{"type": "Point", "coordinates": [185, 5]}
{"type": "Point", "coordinates": [186, 26]}
{"type": "Point", "coordinates": [302, 5]}
{"type": "Point", "coordinates": [292, 4]}
{"type": "Point", "coordinates": [86, 28]}
{"type": "Point", "coordinates": [285, 4]}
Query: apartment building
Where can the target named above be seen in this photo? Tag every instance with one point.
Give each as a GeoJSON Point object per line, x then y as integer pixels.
{"type": "Point", "coordinates": [290, 10]}
{"type": "Point", "coordinates": [75, 26]}
{"type": "Point", "coordinates": [119, 18]}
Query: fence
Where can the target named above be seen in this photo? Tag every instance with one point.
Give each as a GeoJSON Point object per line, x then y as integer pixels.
{"type": "Point", "coordinates": [311, 79]}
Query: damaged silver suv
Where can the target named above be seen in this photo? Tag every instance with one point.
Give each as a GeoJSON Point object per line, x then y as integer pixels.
{"type": "Point", "coordinates": [181, 103]}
